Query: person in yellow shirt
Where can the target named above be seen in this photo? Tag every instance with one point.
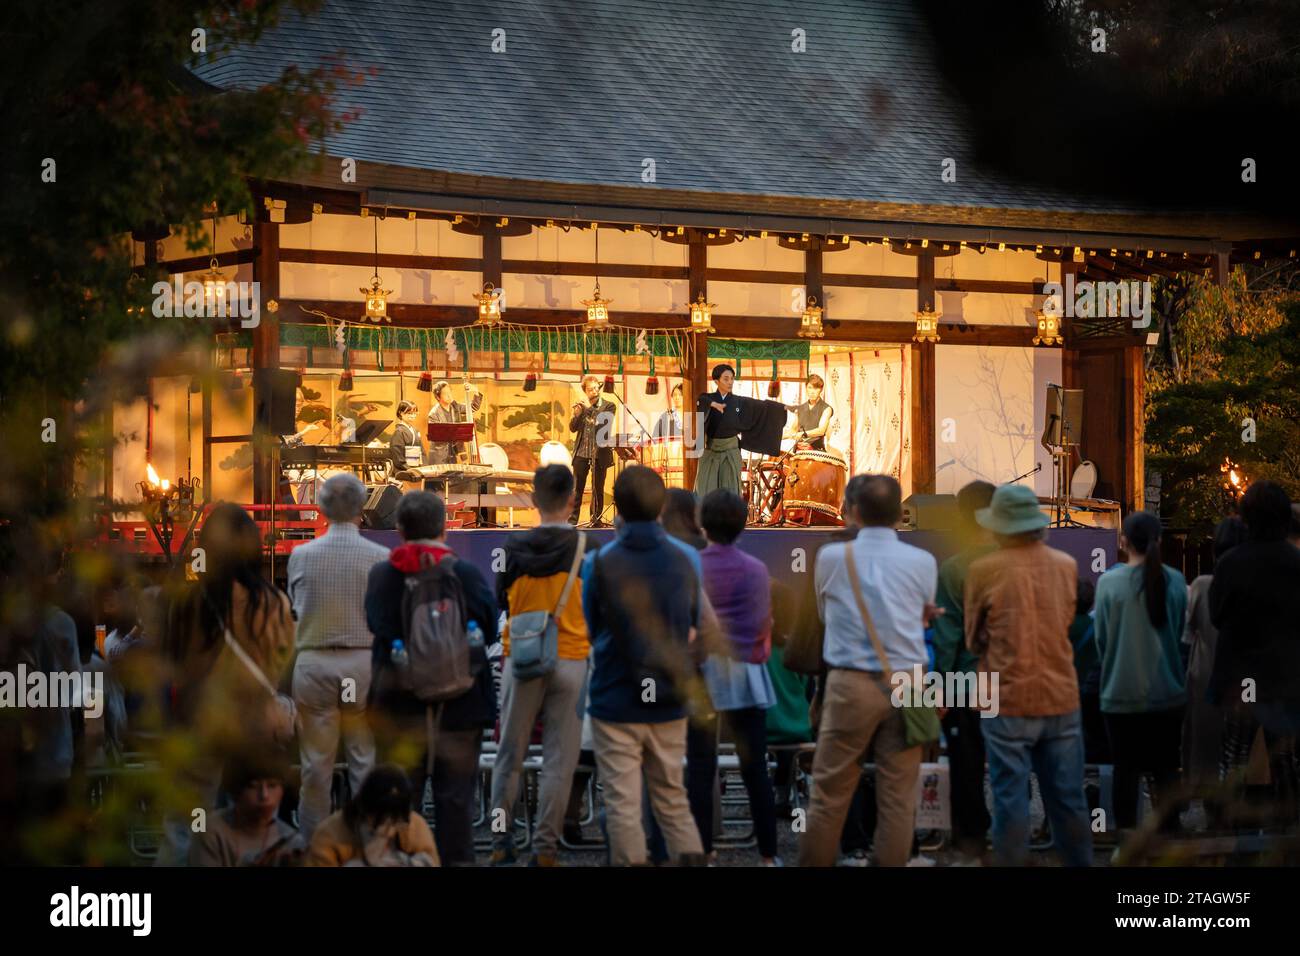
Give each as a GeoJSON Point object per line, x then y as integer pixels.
{"type": "Point", "coordinates": [377, 828]}
{"type": "Point", "coordinates": [537, 567]}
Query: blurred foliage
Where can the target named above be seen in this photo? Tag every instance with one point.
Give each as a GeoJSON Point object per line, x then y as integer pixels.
{"type": "Point", "coordinates": [104, 89]}
{"type": "Point", "coordinates": [1227, 354]}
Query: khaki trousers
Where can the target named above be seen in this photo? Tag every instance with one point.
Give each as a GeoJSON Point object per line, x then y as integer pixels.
{"type": "Point", "coordinates": [623, 753]}
{"type": "Point", "coordinates": [856, 712]}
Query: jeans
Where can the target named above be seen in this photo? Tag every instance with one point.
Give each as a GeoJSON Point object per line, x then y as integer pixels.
{"type": "Point", "coordinates": [1052, 747]}
{"type": "Point", "coordinates": [970, 814]}
{"type": "Point", "coordinates": [748, 728]}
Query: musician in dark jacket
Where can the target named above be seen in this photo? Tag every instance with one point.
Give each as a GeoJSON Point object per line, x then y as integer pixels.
{"type": "Point", "coordinates": [445, 410]}
{"type": "Point", "coordinates": [398, 715]}
{"type": "Point", "coordinates": [593, 452]}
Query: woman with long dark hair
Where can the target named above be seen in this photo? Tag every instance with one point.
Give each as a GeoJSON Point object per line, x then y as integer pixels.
{"type": "Point", "coordinates": [228, 641]}
{"type": "Point", "coordinates": [1140, 609]}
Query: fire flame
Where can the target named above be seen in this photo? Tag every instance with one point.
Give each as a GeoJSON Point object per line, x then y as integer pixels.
{"type": "Point", "coordinates": [153, 476]}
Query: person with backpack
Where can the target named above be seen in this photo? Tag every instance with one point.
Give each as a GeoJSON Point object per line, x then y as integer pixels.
{"type": "Point", "coordinates": [546, 667]}
{"type": "Point", "coordinates": [641, 599]}
{"type": "Point", "coordinates": [432, 615]}
{"type": "Point", "coordinates": [376, 828]}
{"type": "Point", "coordinates": [1140, 609]}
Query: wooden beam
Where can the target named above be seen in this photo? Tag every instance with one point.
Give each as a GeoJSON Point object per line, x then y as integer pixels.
{"type": "Point", "coordinates": [1220, 264]}
{"type": "Point", "coordinates": [387, 260]}
{"type": "Point", "coordinates": [201, 263]}
{"type": "Point", "coordinates": [812, 274]}
{"type": "Point", "coordinates": [727, 326]}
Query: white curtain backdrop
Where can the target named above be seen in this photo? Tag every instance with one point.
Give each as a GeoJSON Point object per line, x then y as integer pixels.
{"type": "Point", "coordinates": [870, 391]}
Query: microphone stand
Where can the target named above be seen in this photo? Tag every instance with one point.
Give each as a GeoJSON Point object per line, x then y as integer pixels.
{"type": "Point", "coordinates": [1032, 471]}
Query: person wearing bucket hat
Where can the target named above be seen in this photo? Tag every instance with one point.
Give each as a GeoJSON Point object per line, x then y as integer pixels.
{"type": "Point", "coordinates": [1012, 511]}
{"type": "Point", "coordinates": [1019, 604]}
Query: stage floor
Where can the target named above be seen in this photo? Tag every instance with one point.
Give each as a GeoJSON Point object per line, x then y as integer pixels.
{"type": "Point", "coordinates": [787, 552]}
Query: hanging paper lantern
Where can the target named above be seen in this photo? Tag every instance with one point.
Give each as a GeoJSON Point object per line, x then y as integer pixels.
{"type": "Point", "coordinates": [609, 384]}
{"type": "Point", "coordinates": [652, 385]}
{"type": "Point", "coordinates": [425, 384]}
{"type": "Point", "coordinates": [530, 382]}
{"type": "Point", "coordinates": [345, 381]}
{"type": "Point", "coordinates": [196, 385]}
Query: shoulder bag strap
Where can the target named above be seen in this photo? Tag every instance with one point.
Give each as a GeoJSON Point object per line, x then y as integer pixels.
{"type": "Point", "coordinates": [852, 567]}
{"type": "Point", "coordinates": [573, 575]}
{"type": "Point", "coordinates": [249, 663]}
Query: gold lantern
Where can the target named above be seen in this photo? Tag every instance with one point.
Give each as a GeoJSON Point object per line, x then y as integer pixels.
{"type": "Point", "coordinates": [214, 289]}
{"type": "Point", "coordinates": [597, 309]}
{"type": "Point", "coordinates": [810, 323]}
{"type": "Point", "coordinates": [377, 300]}
{"type": "Point", "coordinates": [376, 295]}
{"type": "Point", "coordinates": [927, 325]}
{"type": "Point", "coordinates": [701, 315]}
{"type": "Point", "coordinates": [1049, 330]}
{"type": "Point", "coordinates": [489, 305]}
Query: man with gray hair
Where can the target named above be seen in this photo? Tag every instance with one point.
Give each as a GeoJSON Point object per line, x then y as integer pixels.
{"type": "Point", "coordinates": [331, 679]}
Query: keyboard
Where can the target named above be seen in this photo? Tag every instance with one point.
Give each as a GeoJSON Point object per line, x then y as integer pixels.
{"type": "Point", "coordinates": [468, 472]}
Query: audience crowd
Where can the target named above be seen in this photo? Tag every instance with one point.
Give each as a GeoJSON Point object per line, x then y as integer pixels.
{"type": "Point", "coordinates": [351, 718]}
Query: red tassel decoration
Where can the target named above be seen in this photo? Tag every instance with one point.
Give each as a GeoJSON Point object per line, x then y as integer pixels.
{"type": "Point", "coordinates": [425, 384]}
{"type": "Point", "coordinates": [652, 385]}
{"type": "Point", "coordinates": [774, 389]}
{"type": "Point", "coordinates": [530, 382]}
{"type": "Point", "coordinates": [345, 381]}
{"type": "Point", "coordinates": [609, 384]}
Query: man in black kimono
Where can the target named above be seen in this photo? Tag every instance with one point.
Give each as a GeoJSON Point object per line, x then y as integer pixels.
{"type": "Point", "coordinates": [732, 423]}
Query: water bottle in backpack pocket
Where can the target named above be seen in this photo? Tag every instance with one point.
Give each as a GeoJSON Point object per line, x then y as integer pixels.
{"type": "Point", "coordinates": [440, 663]}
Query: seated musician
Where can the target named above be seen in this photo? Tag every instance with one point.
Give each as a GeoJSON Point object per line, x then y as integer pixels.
{"type": "Point", "coordinates": [407, 444]}
{"type": "Point", "coordinates": [447, 411]}
{"type": "Point", "coordinates": [812, 418]}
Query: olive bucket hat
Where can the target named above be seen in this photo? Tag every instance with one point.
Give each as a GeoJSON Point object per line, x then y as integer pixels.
{"type": "Point", "coordinates": [1013, 510]}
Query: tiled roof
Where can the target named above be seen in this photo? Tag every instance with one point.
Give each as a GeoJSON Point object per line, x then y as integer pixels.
{"type": "Point", "coordinates": [710, 90]}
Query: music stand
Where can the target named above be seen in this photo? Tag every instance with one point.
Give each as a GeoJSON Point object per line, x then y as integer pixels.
{"type": "Point", "coordinates": [449, 432]}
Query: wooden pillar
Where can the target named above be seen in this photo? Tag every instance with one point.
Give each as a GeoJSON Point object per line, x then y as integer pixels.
{"type": "Point", "coordinates": [1221, 268]}
{"type": "Point", "coordinates": [1069, 354]}
{"type": "Point", "coordinates": [266, 355]}
{"type": "Point", "coordinates": [923, 387]}
{"type": "Point", "coordinates": [697, 368]}
{"type": "Point", "coordinates": [812, 274]}
{"type": "Point", "coordinates": [492, 255]}
{"type": "Point", "coordinates": [1134, 481]}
